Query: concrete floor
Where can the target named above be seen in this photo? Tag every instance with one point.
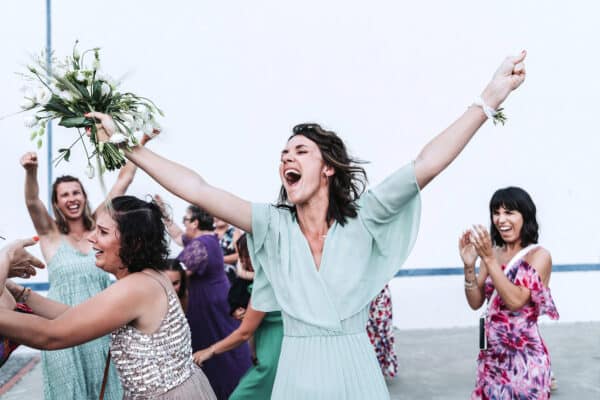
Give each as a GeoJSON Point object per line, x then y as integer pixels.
{"type": "Point", "coordinates": [440, 364]}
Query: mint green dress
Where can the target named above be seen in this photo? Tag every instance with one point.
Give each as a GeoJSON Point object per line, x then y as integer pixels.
{"type": "Point", "coordinates": [326, 353]}
{"type": "Point", "coordinates": [76, 373]}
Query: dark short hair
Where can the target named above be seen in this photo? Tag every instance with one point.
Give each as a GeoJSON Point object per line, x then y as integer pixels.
{"type": "Point", "coordinates": [61, 221]}
{"type": "Point", "coordinates": [173, 264]}
{"type": "Point", "coordinates": [206, 222]}
{"type": "Point", "coordinates": [515, 199]}
{"type": "Point", "coordinates": [142, 233]}
{"type": "Point", "coordinates": [347, 183]}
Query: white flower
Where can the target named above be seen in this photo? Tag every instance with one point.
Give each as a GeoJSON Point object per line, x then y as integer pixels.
{"type": "Point", "coordinates": [89, 171]}
{"type": "Point", "coordinates": [80, 77]}
{"type": "Point", "coordinates": [102, 76]}
{"type": "Point", "coordinates": [43, 96]}
{"type": "Point", "coordinates": [118, 138]}
{"type": "Point", "coordinates": [148, 128]}
{"type": "Point", "coordinates": [30, 121]}
{"type": "Point", "coordinates": [27, 103]}
{"type": "Point", "coordinates": [96, 64]}
{"type": "Point", "coordinates": [104, 89]}
{"type": "Point", "coordinates": [76, 54]}
{"type": "Point", "coordinates": [66, 96]}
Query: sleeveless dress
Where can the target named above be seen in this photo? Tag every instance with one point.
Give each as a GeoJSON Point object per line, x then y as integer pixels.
{"type": "Point", "coordinates": [76, 373]}
{"type": "Point", "coordinates": [326, 353]}
{"type": "Point", "coordinates": [516, 364]}
{"type": "Point", "coordinates": [160, 365]}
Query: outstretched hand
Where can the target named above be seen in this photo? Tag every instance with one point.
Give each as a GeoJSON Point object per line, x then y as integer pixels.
{"type": "Point", "coordinates": [105, 129]}
{"type": "Point", "coordinates": [20, 263]}
{"type": "Point", "coordinates": [509, 76]}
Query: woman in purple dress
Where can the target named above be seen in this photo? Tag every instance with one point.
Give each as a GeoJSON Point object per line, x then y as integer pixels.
{"type": "Point", "coordinates": [208, 309]}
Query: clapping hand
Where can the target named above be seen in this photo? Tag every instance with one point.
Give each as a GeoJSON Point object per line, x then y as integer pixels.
{"type": "Point", "coordinates": [467, 249]}
{"type": "Point", "coordinates": [482, 241]}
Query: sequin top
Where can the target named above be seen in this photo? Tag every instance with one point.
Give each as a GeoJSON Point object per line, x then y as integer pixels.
{"type": "Point", "coordinates": [152, 364]}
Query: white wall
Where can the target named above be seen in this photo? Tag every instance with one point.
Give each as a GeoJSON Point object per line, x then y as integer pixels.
{"type": "Point", "coordinates": [234, 77]}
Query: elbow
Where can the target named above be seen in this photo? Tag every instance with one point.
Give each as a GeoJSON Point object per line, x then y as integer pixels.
{"type": "Point", "coordinates": [245, 335]}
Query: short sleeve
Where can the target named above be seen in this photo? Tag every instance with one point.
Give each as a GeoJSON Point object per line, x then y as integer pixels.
{"type": "Point", "coordinates": [263, 296]}
{"type": "Point", "coordinates": [391, 212]}
{"type": "Point", "coordinates": [194, 256]}
{"type": "Point", "coordinates": [528, 277]}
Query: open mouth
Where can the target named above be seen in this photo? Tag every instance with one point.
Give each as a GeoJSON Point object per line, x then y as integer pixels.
{"type": "Point", "coordinates": [73, 207]}
{"type": "Point", "coordinates": [98, 251]}
{"type": "Point", "coordinates": [292, 176]}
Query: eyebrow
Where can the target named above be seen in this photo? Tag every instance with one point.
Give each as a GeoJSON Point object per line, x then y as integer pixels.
{"type": "Point", "coordinates": [297, 147]}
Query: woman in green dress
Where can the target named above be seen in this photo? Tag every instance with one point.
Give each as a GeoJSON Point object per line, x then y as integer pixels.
{"type": "Point", "coordinates": [324, 252]}
{"type": "Point", "coordinates": [267, 331]}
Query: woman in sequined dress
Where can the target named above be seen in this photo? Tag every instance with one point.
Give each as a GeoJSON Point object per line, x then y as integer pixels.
{"type": "Point", "coordinates": [151, 341]}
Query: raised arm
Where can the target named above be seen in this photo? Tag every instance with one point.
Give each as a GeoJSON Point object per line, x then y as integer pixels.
{"type": "Point", "coordinates": [185, 183]}
{"type": "Point", "coordinates": [445, 147]}
{"type": "Point", "coordinates": [124, 180]}
{"type": "Point", "coordinates": [174, 231]}
{"type": "Point", "coordinates": [42, 222]}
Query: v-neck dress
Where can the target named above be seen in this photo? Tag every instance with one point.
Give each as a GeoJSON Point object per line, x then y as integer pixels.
{"type": "Point", "coordinates": [326, 353]}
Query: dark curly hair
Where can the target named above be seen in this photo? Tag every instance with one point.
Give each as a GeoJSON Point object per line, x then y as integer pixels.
{"type": "Point", "coordinates": [206, 222]}
{"type": "Point", "coordinates": [515, 199]}
{"type": "Point", "coordinates": [347, 183]}
{"type": "Point", "coordinates": [142, 233]}
{"type": "Point", "coordinates": [61, 221]}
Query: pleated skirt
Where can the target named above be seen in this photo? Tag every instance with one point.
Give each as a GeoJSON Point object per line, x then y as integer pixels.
{"type": "Point", "coordinates": [330, 367]}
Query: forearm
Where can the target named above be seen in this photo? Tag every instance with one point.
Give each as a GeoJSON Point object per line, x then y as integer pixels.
{"type": "Point", "coordinates": [230, 259]}
{"type": "Point", "coordinates": [190, 186]}
{"type": "Point", "coordinates": [39, 304]}
{"type": "Point", "coordinates": [174, 231]}
{"type": "Point", "coordinates": [32, 330]}
{"type": "Point", "coordinates": [473, 288]}
{"type": "Point", "coordinates": [32, 188]}
{"type": "Point", "coordinates": [513, 296]}
{"type": "Point", "coordinates": [445, 147]}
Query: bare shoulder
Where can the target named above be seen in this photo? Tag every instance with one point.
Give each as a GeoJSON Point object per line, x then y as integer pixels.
{"type": "Point", "coordinates": [541, 260]}
{"type": "Point", "coordinates": [539, 256]}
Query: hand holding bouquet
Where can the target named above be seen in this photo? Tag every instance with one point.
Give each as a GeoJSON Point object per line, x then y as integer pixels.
{"type": "Point", "coordinates": [71, 88]}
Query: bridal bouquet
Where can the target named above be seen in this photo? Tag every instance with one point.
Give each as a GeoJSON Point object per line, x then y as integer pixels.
{"type": "Point", "coordinates": [69, 89]}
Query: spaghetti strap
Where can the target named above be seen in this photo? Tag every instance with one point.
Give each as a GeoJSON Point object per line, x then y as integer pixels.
{"type": "Point", "coordinates": [167, 291]}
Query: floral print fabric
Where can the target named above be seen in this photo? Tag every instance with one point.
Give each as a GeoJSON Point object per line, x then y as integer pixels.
{"type": "Point", "coordinates": [516, 364]}
{"type": "Point", "coordinates": [381, 332]}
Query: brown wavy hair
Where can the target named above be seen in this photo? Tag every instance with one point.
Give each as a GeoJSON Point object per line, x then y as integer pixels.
{"type": "Point", "coordinates": [345, 185]}
{"type": "Point", "coordinates": [61, 221]}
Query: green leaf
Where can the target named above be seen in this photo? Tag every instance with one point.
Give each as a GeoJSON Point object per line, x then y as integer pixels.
{"type": "Point", "coordinates": [39, 144]}
{"type": "Point", "coordinates": [75, 122]}
{"type": "Point", "coordinates": [33, 135]}
{"type": "Point", "coordinates": [67, 154]}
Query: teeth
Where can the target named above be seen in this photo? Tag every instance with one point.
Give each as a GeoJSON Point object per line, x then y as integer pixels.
{"type": "Point", "coordinates": [291, 171]}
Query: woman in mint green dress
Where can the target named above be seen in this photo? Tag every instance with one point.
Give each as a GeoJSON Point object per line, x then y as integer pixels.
{"type": "Point", "coordinates": [327, 249]}
{"type": "Point", "coordinates": [74, 373]}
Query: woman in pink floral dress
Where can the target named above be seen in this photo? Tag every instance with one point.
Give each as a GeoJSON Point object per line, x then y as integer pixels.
{"type": "Point", "coordinates": [380, 329]}
{"type": "Point", "coordinates": [513, 277]}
